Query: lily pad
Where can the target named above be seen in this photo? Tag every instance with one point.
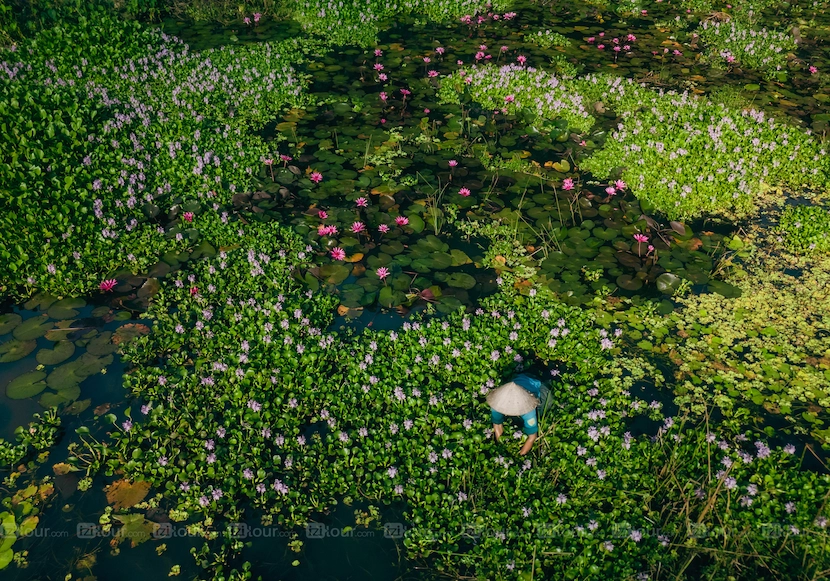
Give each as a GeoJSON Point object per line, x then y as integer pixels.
{"type": "Point", "coordinates": [459, 257]}
{"type": "Point", "coordinates": [461, 280]}
{"type": "Point", "coordinates": [8, 322]}
{"type": "Point", "coordinates": [335, 273]}
{"type": "Point", "coordinates": [77, 407]}
{"type": "Point", "coordinates": [416, 223]}
{"type": "Point", "coordinates": [62, 351]}
{"type": "Point", "coordinates": [629, 282]}
{"type": "Point", "coordinates": [101, 345]}
{"type": "Point", "coordinates": [66, 308]}
{"type": "Point", "coordinates": [33, 328]}
{"type": "Point", "coordinates": [26, 385]}
{"type": "Point", "coordinates": [14, 350]}
{"type": "Point", "coordinates": [128, 332]}
{"type": "Point", "coordinates": [124, 494]}
{"type": "Point", "coordinates": [725, 289]}
{"type": "Point", "coordinates": [668, 283]}
{"type": "Point", "coordinates": [6, 558]}
{"type": "Point", "coordinates": [65, 396]}
{"type": "Point", "coordinates": [388, 297]}
{"type": "Point", "coordinates": [67, 375]}
{"type": "Point", "coordinates": [61, 331]}
{"type": "Point", "coordinates": [134, 527]}
{"type": "Point", "coordinates": [91, 364]}
{"type": "Point", "coordinates": [40, 301]}
{"type": "Point", "coordinates": [449, 304]}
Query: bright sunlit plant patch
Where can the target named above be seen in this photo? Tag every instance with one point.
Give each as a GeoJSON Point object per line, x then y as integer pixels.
{"type": "Point", "coordinates": [806, 229]}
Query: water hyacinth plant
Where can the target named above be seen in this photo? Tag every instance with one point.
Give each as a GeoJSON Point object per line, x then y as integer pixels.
{"type": "Point", "coordinates": [737, 43]}
{"type": "Point", "coordinates": [805, 229]}
{"type": "Point", "coordinates": [682, 155]}
{"type": "Point", "coordinates": [341, 231]}
{"type": "Point", "coordinates": [115, 146]}
{"type": "Point", "coordinates": [397, 420]}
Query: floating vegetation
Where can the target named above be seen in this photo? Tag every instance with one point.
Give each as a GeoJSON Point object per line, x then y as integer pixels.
{"type": "Point", "coordinates": [271, 269]}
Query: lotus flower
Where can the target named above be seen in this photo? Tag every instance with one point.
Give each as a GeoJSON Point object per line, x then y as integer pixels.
{"type": "Point", "coordinates": [108, 285]}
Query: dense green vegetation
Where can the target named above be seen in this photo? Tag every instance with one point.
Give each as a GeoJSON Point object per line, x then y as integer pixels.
{"type": "Point", "coordinates": [601, 193]}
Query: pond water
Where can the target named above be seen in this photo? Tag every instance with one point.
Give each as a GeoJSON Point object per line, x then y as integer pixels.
{"type": "Point", "coordinates": [386, 154]}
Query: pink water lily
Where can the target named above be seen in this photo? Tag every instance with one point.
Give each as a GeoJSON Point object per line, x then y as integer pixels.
{"type": "Point", "coordinates": [464, 192]}
{"type": "Point", "coordinates": [567, 184]}
{"type": "Point", "coordinates": [362, 202]}
{"type": "Point", "coordinates": [382, 272]}
{"type": "Point", "coordinates": [452, 163]}
{"type": "Point", "coordinates": [322, 214]}
{"type": "Point", "coordinates": [108, 285]}
{"type": "Point", "coordinates": [641, 238]}
{"type": "Point", "coordinates": [316, 177]}
{"type": "Point", "coordinates": [358, 227]}
{"type": "Point", "coordinates": [338, 253]}
{"type": "Point", "coordinates": [401, 220]}
{"type": "Point", "coordinates": [188, 216]}
{"type": "Point", "coordinates": [383, 228]}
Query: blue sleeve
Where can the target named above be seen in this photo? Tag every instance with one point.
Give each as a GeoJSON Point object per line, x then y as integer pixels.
{"type": "Point", "coordinates": [531, 384]}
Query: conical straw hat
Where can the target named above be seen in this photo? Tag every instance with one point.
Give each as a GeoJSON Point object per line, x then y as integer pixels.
{"type": "Point", "coordinates": [511, 399]}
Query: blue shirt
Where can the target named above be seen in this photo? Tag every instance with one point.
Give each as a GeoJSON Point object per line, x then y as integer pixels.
{"type": "Point", "coordinates": [531, 384]}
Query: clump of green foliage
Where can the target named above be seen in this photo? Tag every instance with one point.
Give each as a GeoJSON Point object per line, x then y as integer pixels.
{"type": "Point", "coordinates": [684, 156]}
{"type": "Point", "coordinates": [736, 41]}
{"type": "Point", "coordinates": [111, 127]}
{"type": "Point", "coordinates": [549, 38]}
{"type": "Point", "coordinates": [247, 400]}
{"type": "Point", "coordinates": [806, 229]}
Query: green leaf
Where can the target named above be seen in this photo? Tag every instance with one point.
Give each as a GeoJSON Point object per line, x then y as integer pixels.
{"type": "Point", "coordinates": [6, 558]}
{"type": "Point", "coordinates": [62, 351]}
{"type": "Point", "coordinates": [461, 280]}
{"type": "Point", "coordinates": [33, 328]}
{"type": "Point", "coordinates": [64, 396]}
{"type": "Point", "coordinates": [66, 308]}
{"type": "Point", "coordinates": [26, 385]}
{"type": "Point", "coordinates": [8, 322]}
{"type": "Point", "coordinates": [14, 350]}
{"type": "Point", "coordinates": [416, 223]}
